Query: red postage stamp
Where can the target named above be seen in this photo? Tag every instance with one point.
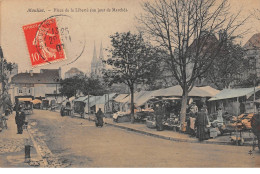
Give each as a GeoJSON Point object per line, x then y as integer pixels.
{"type": "Point", "coordinates": [43, 42]}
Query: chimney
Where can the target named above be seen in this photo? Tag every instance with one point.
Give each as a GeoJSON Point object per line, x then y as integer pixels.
{"type": "Point", "coordinates": [31, 73]}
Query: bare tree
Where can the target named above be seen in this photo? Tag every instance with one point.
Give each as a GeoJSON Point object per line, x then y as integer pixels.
{"type": "Point", "coordinates": [256, 14]}
{"type": "Point", "coordinates": [186, 29]}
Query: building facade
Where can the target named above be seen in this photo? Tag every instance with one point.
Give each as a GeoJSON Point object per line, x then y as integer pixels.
{"type": "Point", "coordinates": [35, 84]}
{"type": "Point", "coordinates": [252, 48]}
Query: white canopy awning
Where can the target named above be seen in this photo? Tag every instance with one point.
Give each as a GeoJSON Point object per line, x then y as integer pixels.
{"type": "Point", "coordinates": [206, 91]}
{"type": "Point", "coordinates": [120, 97]}
{"type": "Point", "coordinates": [234, 93]}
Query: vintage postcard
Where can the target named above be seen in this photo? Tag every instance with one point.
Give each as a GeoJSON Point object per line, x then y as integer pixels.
{"type": "Point", "coordinates": [129, 83]}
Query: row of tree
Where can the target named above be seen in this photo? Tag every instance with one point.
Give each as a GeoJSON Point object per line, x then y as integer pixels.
{"type": "Point", "coordinates": [5, 69]}
{"type": "Point", "coordinates": [77, 85]}
{"type": "Point", "coordinates": [182, 34]}
{"type": "Point", "coordinates": [188, 40]}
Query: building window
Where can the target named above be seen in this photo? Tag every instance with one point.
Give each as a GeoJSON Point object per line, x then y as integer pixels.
{"type": "Point", "coordinates": [20, 91]}
{"type": "Point", "coordinates": [51, 85]}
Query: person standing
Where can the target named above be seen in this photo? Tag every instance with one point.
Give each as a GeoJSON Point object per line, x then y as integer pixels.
{"type": "Point", "coordinates": [191, 126]}
{"type": "Point", "coordinates": [220, 116]}
{"type": "Point", "coordinates": [99, 116]}
{"type": "Point", "coordinates": [19, 120]}
{"type": "Point", "coordinates": [62, 111]}
{"type": "Point", "coordinates": [191, 117]}
{"type": "Point", "coordinates": [201, 123]}
{"type": "Point", "coordinates": [3, 123]}
{"type": "Point", "coordinates": [159, 117]}
{"type": "Point", "coordinates": [194, 109]}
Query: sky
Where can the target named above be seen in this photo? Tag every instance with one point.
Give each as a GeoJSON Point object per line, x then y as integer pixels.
{"type": "Point", "coordinates": [85, 27]}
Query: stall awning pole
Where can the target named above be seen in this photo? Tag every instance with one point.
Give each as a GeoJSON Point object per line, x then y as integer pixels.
{"type": "Point", "coordinates": [254, 84]}
{"type": "Point", "coordinates": [88, 105]}
{"type": "Point", "coordinates": [108, 103]}
{"type": "Point", "coordinates": [236, 123]}
{"type": "Point", "coordinates": [105, 103]}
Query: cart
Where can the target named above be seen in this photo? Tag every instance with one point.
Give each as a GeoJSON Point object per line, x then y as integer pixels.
{"type": "Point", "coordinates": [36, 103]}
{"type": "Point", "coordinates": [27, 104]}
{"type": "Point", "coordinates": [66, 109]}
{"type": "Point", "coordinates": [45, 104]}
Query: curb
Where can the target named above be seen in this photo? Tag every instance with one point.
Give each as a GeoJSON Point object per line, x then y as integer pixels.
{"type": "Point", "coordinates": [37, 148]}
{"type": "Point", "coordinates": [170, 138]}
{"type": "Point", "coordinates": [47, 158]}
{"type": "Point", "coordinates": [165, 137]}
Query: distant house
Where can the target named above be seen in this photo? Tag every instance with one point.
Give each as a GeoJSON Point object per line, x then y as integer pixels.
{"type": "Point", "coordinates": [252, 48]}
{"type": "Point", "coordinates": [73, 72]}
{"type": "Point", "coordinates": [167, 78]}
{"type": "Point", "coordinates": [35, 84]}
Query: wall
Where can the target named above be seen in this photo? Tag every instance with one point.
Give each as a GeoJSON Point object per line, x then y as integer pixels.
{"type": "Point", "coordinates": [42, 89]}
{"type": "Point", "coordinates": [35, 90]}
{"type": "Point", "coordinates": [59, 99]}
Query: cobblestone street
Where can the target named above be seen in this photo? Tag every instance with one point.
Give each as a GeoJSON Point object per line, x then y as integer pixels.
{"type": "Point", "coordinates": [75, 142]}
{"type": "Point", "coordinates": [12, 147]}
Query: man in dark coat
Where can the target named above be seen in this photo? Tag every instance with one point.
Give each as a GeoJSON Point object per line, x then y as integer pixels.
{"type": "Point", "coordinates": [19, 120]}
{"type": "Point", "coordinates": [99, 116]}
{"type": "Point", "coordinates": [159, 117]}
{"type": "Point", "coordinates": [201, 123]}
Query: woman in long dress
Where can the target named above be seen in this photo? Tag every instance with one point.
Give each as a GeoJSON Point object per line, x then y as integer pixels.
{"type": "Point", "coordinates": [220, 116]}
{"type": "Point", "coordinates": [201, 123]}
{"type": "Point", "coordinates": [159, 118]}
{"type": "Point", "coordinates": [99, 116]}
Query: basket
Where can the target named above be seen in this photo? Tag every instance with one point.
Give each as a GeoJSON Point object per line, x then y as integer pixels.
{"type": "Point", "coordinates": [25, 125]}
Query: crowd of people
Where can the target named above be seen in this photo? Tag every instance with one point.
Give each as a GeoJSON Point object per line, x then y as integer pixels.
{"type": "Point", "coordinates": [197, 119]}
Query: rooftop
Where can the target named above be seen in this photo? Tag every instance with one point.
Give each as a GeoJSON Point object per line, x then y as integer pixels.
{"type": "Point", "coordinates": [74, 70]}
{"type": "Point", "coordinates": [253, 42]}
{"type": "Point", "coordinates": [46, 76]}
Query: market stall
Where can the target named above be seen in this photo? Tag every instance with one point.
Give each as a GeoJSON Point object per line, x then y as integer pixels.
{"type": "Point", "coordinates": [36, 103]}
{"type": "Point", "coordinates": [80, 106]}
{"type": "Point", "coordinates": [117, 102]}
{"type": "Point", "coordinates": [67, 107]}
{"type": "Point", "coordinates": [236, 107]}
{"type": "Point", "coordinates": [169, 111]}
{"type": "Point", "coordinates": [120, 117]}
{"type": "Point", "coordinates": [26, 104]}
{"type": "Point", "coordinates": [45, 104]}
